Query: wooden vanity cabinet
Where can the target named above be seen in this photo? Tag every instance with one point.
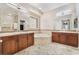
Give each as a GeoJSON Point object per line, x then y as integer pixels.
{"type": "Point", "coordinates": [22, 41]}
{"type": "Point", "coordinates": [65, 38]}
{"type": "Point", "coordinates": [30, 39]}
{"type": "Point", "coordinates": [12, 44]}
{"type": "Point", "coordinates": [55, 37]}
{"type": "Point", "coordinates": [72, 39]}
{"type": "Point", "coordinates": [9, 45]}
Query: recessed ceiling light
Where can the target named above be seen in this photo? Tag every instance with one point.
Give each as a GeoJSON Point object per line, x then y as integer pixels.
{"type": "Point", "coordinates": [40, 8]}
{"type": "Point", "coordinates": [9, 14]}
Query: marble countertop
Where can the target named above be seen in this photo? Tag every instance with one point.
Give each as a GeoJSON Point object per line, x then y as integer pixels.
{"type": "Point", "coordinates": [15, 33]}
{"type": "Point", "coordinates": [25, 32]}
{"type": "Point", "coordinates": [66, 31]}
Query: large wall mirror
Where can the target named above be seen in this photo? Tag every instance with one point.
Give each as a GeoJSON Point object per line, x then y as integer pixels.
{"type": "Point", "coordinates": [8, 17]}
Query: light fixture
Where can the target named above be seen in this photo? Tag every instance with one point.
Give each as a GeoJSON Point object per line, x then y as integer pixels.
{"type": "Point", "coordinates": [40, 8]}
{"type": "Point", "coordinates": [9, 14]}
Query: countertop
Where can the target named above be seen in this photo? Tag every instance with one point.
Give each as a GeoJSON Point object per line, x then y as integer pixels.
{"type": "Point", "coordinates": [25, 32]}
{"type": "Point", "coordinates": [66, 31]}
{"type": "Point", "coordinates": [15, 33]}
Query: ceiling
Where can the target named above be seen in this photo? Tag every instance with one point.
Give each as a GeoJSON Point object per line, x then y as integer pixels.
{"type": "Point", "coordinates": [5, 9]}
{"type": "Point", "coordinates": [44, 7]}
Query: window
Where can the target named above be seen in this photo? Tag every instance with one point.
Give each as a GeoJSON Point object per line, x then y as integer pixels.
{"type": "Point", "coordinates": [33, 22]}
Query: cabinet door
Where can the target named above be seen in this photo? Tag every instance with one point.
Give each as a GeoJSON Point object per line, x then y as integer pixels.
{"type": "Point", "coordinates": [72, 39]}
{"type": "Point", "coordinates": [10, 45]}
{"type": "Point", "coordinates": [63, 38]}
{"type": "Point", "coordinates": [30, 39]}
{"type": "Point", "coordinates": [22, 41]}
{"type": "Point", "coordinates": [55, 37]}
{"type": "Point", "coordinates": [0, 48]}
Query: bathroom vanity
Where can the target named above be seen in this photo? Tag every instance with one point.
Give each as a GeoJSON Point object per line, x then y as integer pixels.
{"type": "Point", "coordinates": [65, 37]}
{"type": "Point", "coordinates": [11, 43]}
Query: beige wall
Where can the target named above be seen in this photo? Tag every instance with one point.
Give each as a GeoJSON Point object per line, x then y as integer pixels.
{"type": "Point", "coordinates": [46, 20]}
{"type": "Point", "coordinates": [49, 20]}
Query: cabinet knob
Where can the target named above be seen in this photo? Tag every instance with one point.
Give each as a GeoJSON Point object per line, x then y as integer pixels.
{"type": "Point", "coordinates": [1, 41]}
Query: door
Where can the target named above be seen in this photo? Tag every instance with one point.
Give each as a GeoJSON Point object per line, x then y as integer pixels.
{"type": "Point", "coordinates": [72, 39]}
{"type": "Point", "coordinates": [55, 37]}
{"type": "Point", "coordinates": [10, 45]}
{"type": "Point", "coordinates": [30, 39]}
{"type": "Point", "coordinates": [21, 27]}
{"type": "Point", "coordinates": [22, 41]}
{"type": "Point", "coordinates": [63, 38]}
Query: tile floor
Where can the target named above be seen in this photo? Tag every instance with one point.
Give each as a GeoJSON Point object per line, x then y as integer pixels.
{"type": "Point", "coordinates": [43, 46]}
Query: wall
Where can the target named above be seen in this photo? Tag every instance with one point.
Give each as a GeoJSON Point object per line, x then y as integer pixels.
{"type": "Point", "coordinates": [46, 20]}
{"type": "Point", "coordinates": [50, 21]}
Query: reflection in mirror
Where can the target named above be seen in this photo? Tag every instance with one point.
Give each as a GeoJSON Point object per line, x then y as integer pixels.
{"type": "Point", "coordinates": [8, 18]}
{"type": "Point", "coordinates": [66, 24]}
{"type": "Point", "coordinates": [75, 23]}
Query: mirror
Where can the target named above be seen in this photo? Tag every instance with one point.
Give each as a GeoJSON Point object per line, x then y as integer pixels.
{"type": "Point", "coordinates": [8, 18]}
{"type": "Point", "coordinates": [76, 23]}
{"type": "Point", "coordinates": [66, 24]}
{"type": "Point", "coordinates": [68, 17]}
